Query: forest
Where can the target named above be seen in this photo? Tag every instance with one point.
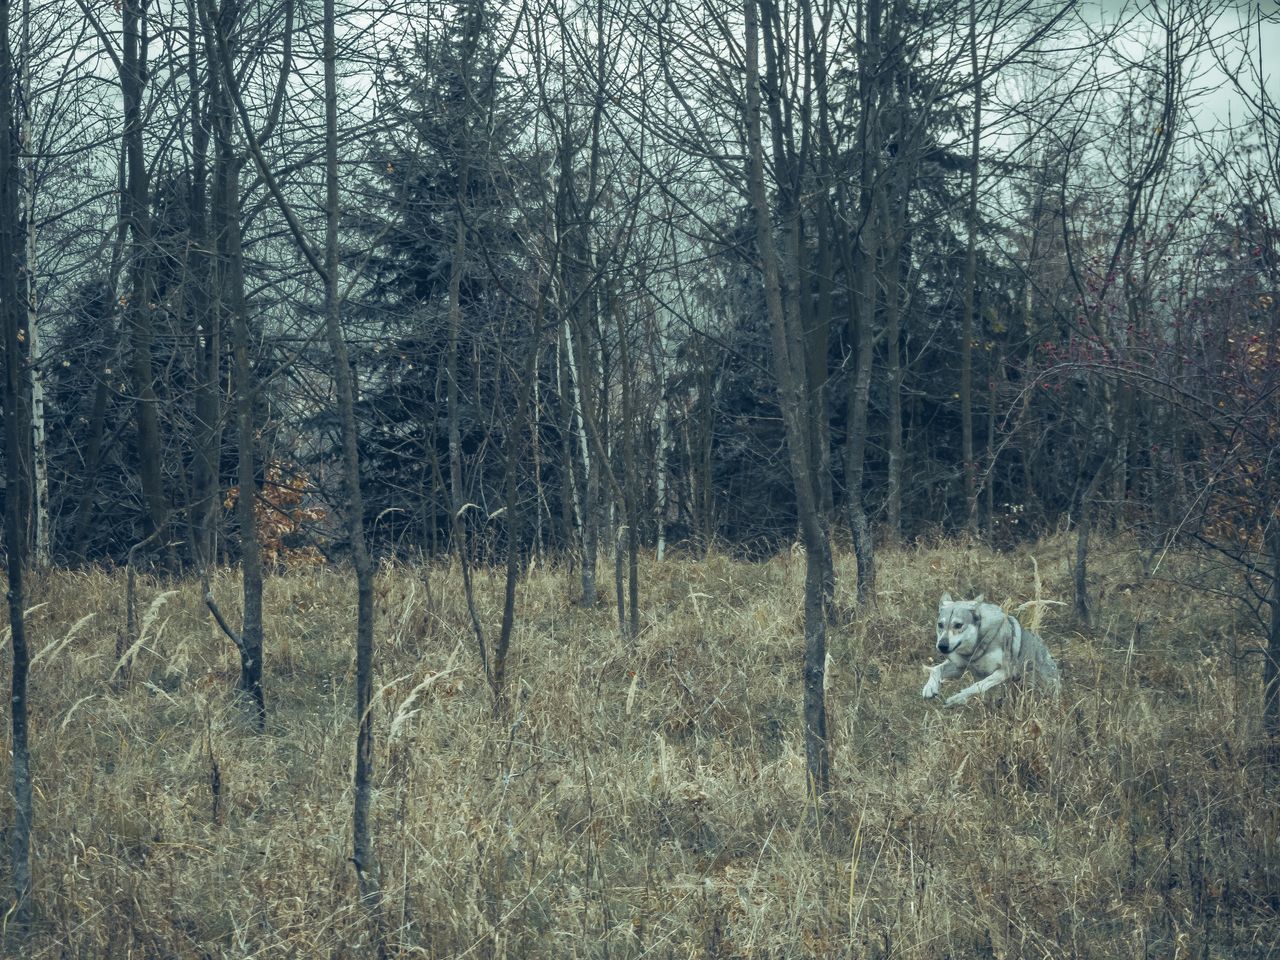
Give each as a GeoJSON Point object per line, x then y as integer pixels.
{"type": "Point", "coordinates": [478, 476]}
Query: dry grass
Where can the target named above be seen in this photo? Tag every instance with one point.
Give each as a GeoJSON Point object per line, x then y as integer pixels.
{"type": "Point", "coordinates": [649, 801]}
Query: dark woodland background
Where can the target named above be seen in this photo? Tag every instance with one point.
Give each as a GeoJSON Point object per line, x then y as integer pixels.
{"type": "Point", "coordinates": [1075, 297]}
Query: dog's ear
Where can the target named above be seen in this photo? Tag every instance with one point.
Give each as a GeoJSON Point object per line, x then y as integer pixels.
{"type": "Point", "coordinates": [946, 598]}
{"type": "Point", "coordinates": [981, 598]}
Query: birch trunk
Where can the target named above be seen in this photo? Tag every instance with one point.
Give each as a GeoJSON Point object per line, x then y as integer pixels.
{"type": "Point", "coordinates": [585, 492]}
{"type": "Point", "coordinates": [39, 459]}
{"type": "Point", "coordinates": [661, 417]}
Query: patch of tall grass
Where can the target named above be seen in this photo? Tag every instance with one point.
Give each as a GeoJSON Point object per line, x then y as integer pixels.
{"type": "Point", "coordinates": [646, 797]}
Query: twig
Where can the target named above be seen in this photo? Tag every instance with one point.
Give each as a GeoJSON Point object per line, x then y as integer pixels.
{"type": "Point", "coordinates": [222, 621]}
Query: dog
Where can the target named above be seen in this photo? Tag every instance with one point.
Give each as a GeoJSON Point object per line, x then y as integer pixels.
{"type": "Point", "coordinates": [992, 645]}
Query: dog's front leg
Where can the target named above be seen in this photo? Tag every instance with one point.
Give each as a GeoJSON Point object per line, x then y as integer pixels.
{"type": "Point", "coordinates": [946, 670]}
{"type": "Point", "coordinates": [982, 686]}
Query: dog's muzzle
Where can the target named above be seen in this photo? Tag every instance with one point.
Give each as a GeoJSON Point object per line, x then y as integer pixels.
{"type": "Point", "coordinates": [943, 647]}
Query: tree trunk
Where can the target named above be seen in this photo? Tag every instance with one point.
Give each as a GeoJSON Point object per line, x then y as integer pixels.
{"type": "Point", "coordinates": [704, 496]}
{"type": "Point", "coordinates": [40, 557]}
{"type": "Point", "coordinates": [514, 439]}
{"type": "Point", "coordinates": [229, 299]}
{"type": "Point", "coordinates": [630, 478]}
{"type": "Point", "coordinates": [989, 474]}
{"type": "Point", "coordinates": [457, 501]}
{"type": "Point", "coordinates": [1084, 522]}
{"type": "Point", "coordinates": [662, 427]}
{"type": "Point", "coordinates": [19, 834]}
{"type": "Point", "coordinates": [363, 857]}
{"type": "Point", "coordinates": [570, 503]}
{"type": "Point", "coordinates": [817, 342]}
{"type": "Point", "coordinates": [135, 211]}
{"type": "Point", "coordinates": [856, 439]}
{"type": "Point", "coordinates": [588, 486]}
{"type": "Point", "coordinates": [205, 324]}
{"type": "Point", "coordinates": [816, 322]}
{"type": "Point", "coordinates": [895, 227]}
{"type": "Point", "coordinates": [246, 443]}
{"type": "Point", "coordinates": [968, 323]}
{"type": "Point", "coordinates": [861, 264]}
{"type": "Point", "coordinates": [1271, 665]}
{"type": "Point", "coordinates": [540, 505]}
{"type": "Point", "coordinates": [788, 350]}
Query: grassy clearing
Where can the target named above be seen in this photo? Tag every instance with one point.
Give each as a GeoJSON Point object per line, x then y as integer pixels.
{"type": "Point", "coordinates": [649, 801]}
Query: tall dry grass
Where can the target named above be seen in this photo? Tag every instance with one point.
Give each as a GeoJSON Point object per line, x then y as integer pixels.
{"type": "Point", "coordinates": [648, 799]}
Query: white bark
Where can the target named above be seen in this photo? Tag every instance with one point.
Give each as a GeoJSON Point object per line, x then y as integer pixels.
{"type": "Point", "coordinates": [662, 415]}
{"type": "Point", "coordinates": [560, 389]}
{"type": "Point", "coordinates": [579, 423]}
{"type": "Point", "coordinates": [39, 458]}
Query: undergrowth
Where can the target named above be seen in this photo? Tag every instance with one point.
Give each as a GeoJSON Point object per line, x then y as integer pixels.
{"type": "Point", "coordinates": [647, 798]}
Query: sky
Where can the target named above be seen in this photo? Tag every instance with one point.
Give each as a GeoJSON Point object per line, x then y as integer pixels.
{"type": "Point", "coordinates": [1218, 101]}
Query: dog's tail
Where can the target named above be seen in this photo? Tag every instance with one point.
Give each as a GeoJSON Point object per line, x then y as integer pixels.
{"type": "Point", "coordinates": [1042, 667]}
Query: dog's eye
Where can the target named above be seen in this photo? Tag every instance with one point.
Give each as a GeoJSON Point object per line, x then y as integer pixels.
{"type": "Point", "coordinates": [956, 625]}
{"type": "Point", "coordinates": [941, 626]}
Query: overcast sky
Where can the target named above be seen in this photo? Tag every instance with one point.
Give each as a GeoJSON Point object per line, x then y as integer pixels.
{"type": "Point", "coordinates": [1217, 100]}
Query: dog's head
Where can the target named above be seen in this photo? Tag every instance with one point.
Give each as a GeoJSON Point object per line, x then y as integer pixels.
{"type": "Point", "coordinates": [959, 625]}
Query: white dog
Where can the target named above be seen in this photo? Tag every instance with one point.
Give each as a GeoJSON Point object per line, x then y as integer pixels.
{"type": "Point", "coordinates": [983, 639]}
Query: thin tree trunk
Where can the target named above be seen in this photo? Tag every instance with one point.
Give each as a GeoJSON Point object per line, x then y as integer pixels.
{"type": "Point", "coordinates": [989, 475]}
{"type": "Point", "coordinates": [816, 321]}
{"type": "Point", "coordinates": [39, 461]}
{"type": "Point", "coordinates": [817, 339]}
{"type": "Point", "coordinates": [363, 856]}
{"type": "Point", "coordinates": [206, 325]}
{"type": "Point", "coordinates": [893, 352]}
{"type": "Point", "coordinates": [862, 265]}
{"type": "Point", "coordinates": [540, 504]}
{"type": "Point", "coordinates": [619, 585]}
{"type": "Point", "coordinates": [19, 833]}
{"type": "Point", "coordinates": [514, 439]}
{"type": "Point", "coordinates": [1271, 664]}
{"type": "Point", "coordinates": [246, 517]}
{"type": "Point", "coordinates": [586, 488]}
{"type": "Point", "coordinates": [138, 313]}
{"type": "Point", "coordinates": [897, 263]}
{"type": "Point", "coordinates": [458, 521]}
{"type": "Point", "coordinates": [229, 299]}
{"type": "Point", "coordinates": [570, 507]}
{"type": "Point", "coordinates": [1125, 410]}
{"type": "Point", "coordinates": [704, 498]}
{"type": "Point", "coordinates": [630, 480]}
{"type": "Point", "coordinates": [1084, 523]}
{"type": "Point", "coordinates": [970, 291]}
{"type": "Point", "coordinates": [661, 417]}
{"type": "Point", "coordinates": [788, 349]}
{"type": "Point", "coordinates": [856, 439]}
{"type": "Point", "coordinates": [502, 643]}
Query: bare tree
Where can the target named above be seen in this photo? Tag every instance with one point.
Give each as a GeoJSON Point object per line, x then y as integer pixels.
{"type": "Point", "coordinates": [1109, 282]}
